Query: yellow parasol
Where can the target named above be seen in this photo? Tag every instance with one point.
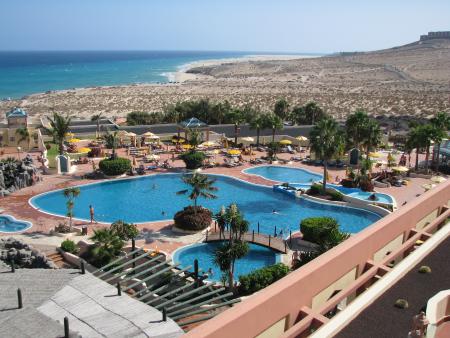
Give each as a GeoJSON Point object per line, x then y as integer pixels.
{"type": "Point", "coordinates": [84, 150]}
{"type": "Point", "coordinates": [174, 140]}
{"type": "Point", "coordinates": [375, 155]}
{"type": "Point", "coordinates": [74, 140]}
{"type": "Point", "coordinates": [234, 152]}
{"type": "Point", "coordinates": [285, 142]}
{"type": "Point", "coordinates": [438, 179]}
{"type": "Point", "coordinates": [248, 139]}
{"type": "Point", "coordinates": [428, 186]}
{"type": "Point", "coordinates": [400, 169]}
{"type": "Point", "coordinates": [209, 144]}
{"type": "Point", "coordinates": [301, 138]}
{"type": "Point", "coordinates": [187, 146]}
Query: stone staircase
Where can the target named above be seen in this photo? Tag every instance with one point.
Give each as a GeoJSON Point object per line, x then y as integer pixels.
{"type": "Point", "coordinates": [58, 259]}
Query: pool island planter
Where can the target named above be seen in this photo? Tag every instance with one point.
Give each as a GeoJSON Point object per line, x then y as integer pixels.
{"type": "Point", "coordinates": [189, 232]}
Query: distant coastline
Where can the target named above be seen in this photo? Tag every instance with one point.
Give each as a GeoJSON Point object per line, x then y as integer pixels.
{"type": "Point", "coordinates": [36, 73]}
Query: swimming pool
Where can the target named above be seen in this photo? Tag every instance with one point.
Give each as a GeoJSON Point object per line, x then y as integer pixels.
{"type": "Point", "coordinates": [153, 198]}
{"type": "Point", "coordinates": [257, 257]}
{"type": "Point", "coordinates": [300, 178]}
{"type": "Point", "coordinates": [8, 224]}
{"type": "Point", "coordinates": [284, 174]}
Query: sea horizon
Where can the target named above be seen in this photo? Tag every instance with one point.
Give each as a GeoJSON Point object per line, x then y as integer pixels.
{"type": "Point", "coordinates": [25, 73]}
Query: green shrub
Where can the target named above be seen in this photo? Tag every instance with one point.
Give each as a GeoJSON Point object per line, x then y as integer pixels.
{"type": "Point", "coordinates": [401, 303]}
{"type": "Point", "coordinates": [69, 246]}
{"type": "Point", "coordinates": [193, 159]}
{"type": "Point", "coordinates": [261, 278]}
{"type": "Point", "coordinates": [115, 167]}
{"type": "Point", "coordinates": [193, 218]}
{"type": "Point", "coordinates": [315, 228]}
{"type": "Point", "coordinates": [335, 195]}
{"type": "Point", "coordinates": [315, 189]}
{"type": "Point", "coordinates": [424, 269]}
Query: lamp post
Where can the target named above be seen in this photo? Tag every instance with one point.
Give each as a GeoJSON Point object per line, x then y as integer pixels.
{"type": "Point", "coordinates": [19, 149]}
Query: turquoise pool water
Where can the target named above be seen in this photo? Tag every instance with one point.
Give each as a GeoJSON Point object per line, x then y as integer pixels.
{"type": "Point", "coordinates": [152, 198]}
{"type": "Point", "coordinates": [9, 224]}
{"type": "Point", "coordinates": [284, 174]}
{"type": "Point", "coordinates": [364, 195]}
{"type": "Point", "coordinates": [258, 257]}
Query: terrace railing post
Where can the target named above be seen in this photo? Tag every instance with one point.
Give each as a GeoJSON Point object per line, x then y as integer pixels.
{"type": "Point", "coordinates": [269, 240]}
{"type": "Point", "coordinates": [253, 235]}
{"type": "Point", "coordinates": [66, 327]}
{"type": "Point", "coordinates": [13, 266]}
{"type": "Point", "coordinates": [290, 237]}
{"type": "Point", "coordinates": [215, 226]}
{"type": "Point", "coordinates": [285, 246]}
{"type": "Point", "coordinates": [206, 240]}
{"type": "Point", "coordinates": [133, 248]}
{"type": "Point", "coordinates": [196, 272]}
{"type": "Point", "coordinates": [83, 268]}
{"type": "Point", "coordinates": [164, 315]}
{"type": "Point", "coordinates": [19, 298]}
{"type": "Point", "coordinates": [275, 231]}
{"type": "Point", "coordinates": [119, 289]}
{"type": "Point", "coordinates": [258, 228]}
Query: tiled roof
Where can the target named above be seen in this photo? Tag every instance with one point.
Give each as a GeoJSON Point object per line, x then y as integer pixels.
{"type": "Point", "coordinates": [92, 306]}
{"type": "Point", "coordinates": [16, 112]}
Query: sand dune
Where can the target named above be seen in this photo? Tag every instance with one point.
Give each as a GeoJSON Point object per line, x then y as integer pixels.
{"type": "Point", "coordinates": [408, 80]}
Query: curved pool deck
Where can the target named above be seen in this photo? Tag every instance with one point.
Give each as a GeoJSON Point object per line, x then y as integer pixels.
{"type": "Point", "coordinates": [153, 198]}
{"type": "Point", "coordinates": [10, 225]}
{"type": "Point", "coordinates": [257, 258]}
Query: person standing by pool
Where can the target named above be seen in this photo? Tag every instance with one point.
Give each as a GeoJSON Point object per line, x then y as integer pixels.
{"type": "Point", "coordinates": [92, 214]}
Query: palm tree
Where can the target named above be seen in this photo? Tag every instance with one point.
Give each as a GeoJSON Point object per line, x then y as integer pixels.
{"type": "Point", "coordinates": [258, 123]}
{"type": "Point", "coordinates": [71, 194]}
{"type": "Point", "coordinates": [313, 112]}
{"type": "Point", "coordinates": [96, 118]}
{"type": "Point", "coordinates": [24, 135]}
{"type": "Point", "coordinates": [326, 140]}
{"type": "Point", "coordinates": [201, 186]}
{"type": "Point", "coordinates": [226, 254]}
{"type": "Point", "coordinates": [441, 123]}
{"type": "Point", "coordinates": [273, 122]}
{"type": "Point", "coordinates": [355, 127]}
{"type": "Point", "coordinates": [107, 246]}
{"type": "Point", "coordinates": [281, 109]}
{"type": "Point", "coordinates": [236, 117]}
{"type": "Point", "coordinates": [372, 136]}
{"type": "Point", "coordinates": [59, 127]}
{"type": "Point", "coordinates": [416, 139]}
{"type": "Point", "coordinates": [112, 141]}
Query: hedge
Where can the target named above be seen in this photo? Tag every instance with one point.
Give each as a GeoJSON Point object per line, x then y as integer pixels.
{"type": "Point", "coordinates": [315, 228]}
{"type": "Point", "coordinates": [115, 167]}
{"type": "Point", "coordinates": [69, 246]}
{"type": "Point", "coordinates": [261, 278]}
{"type": "Point", "coordinates": [188, 219]}
{"type": "Point", "coordinates": [193, 159]}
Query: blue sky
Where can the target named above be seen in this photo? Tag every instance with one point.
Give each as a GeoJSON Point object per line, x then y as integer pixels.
{"type": "Point", "coordinates": [245, 25]}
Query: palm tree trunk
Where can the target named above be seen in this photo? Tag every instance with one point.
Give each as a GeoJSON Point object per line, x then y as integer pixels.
{"type": "Point", "coordinates": [273, 135]}
{"type": "Point", "coordinates": [325, 175]}
{"type": "Point", "coordinates": [416, 167]}
{"type": "Point", "coordinates": [257, 137]}
{"type": "Point", "coordinates": [235, 133]}
{"type": "Point", "coordinates": [427, 157]}
{"type": "Point", "coordinates": [230, 280]}
{"type": "Point", "coordinates": [438, 156]}
{"type": "Point", "coordinates": [98, 127]}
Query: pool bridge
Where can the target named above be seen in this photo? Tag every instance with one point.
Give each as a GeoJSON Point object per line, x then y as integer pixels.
{"type": "Point", "coordinates": [268, 241]}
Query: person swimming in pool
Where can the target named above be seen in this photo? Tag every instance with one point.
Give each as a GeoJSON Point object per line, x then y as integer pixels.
{"type": "Point", "coordinates": [275, 212]}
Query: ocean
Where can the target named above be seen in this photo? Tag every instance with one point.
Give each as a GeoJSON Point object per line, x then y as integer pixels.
{"type": "Point", "coordinates": [24, 73]}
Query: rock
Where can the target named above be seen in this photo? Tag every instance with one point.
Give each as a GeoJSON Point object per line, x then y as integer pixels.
{"type": "Point", "coordinates": [23, 254]}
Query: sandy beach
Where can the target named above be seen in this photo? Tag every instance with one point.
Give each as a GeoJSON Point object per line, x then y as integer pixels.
{"type": "Point", "coordinates": [412, 80]}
